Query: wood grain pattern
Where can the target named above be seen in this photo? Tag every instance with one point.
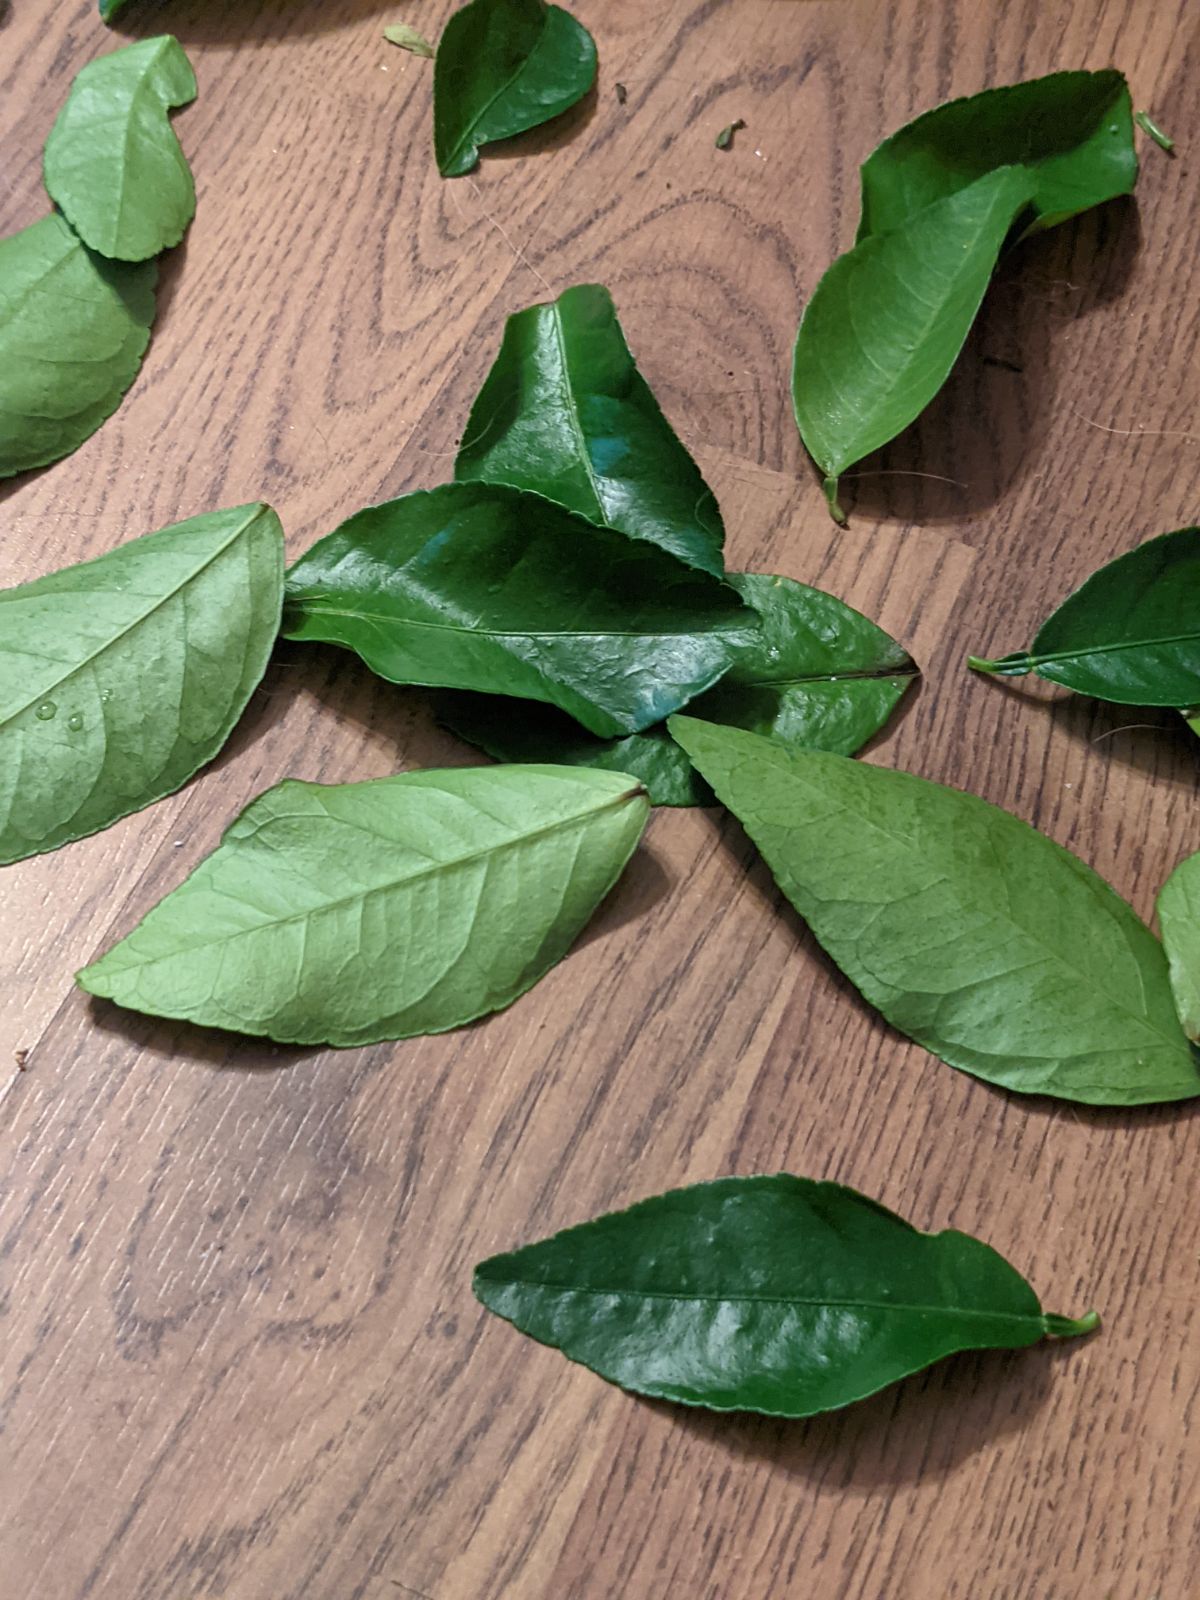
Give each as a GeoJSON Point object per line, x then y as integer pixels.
{"type": "Point", "coordinates": [239, 1356]}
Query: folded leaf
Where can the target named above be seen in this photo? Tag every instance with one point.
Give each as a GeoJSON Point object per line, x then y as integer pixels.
{"type": "Point", "coordinates": [1131, 634]}
{"type": "Point", "coordinates": [113, 165]}
{"type": "Point", "coordinates": [520, 730]}
{"type": "Point", "coordinates": [407, 37]}
{"type": "Point", "coordinates": [887, 321]}
{"type": "Point", "coordinates": [73, 329]}
{"type": "Point", "coordinates": [1179, 919]}
{"type": "Point", "coordinates": [1072, 130]}
{"type": "Point", "coordinates": [771, 1294]}
{"type": "Point", "coordinates": [504, 66]}
{"type": "Point", "coordinates": [121, 677]}
{"type": "Point", "coordinates": [475, 586]}
{"type": "Point", "coordinates": [566, 413]}
{"type": "Point", "coordinates": [817, 674]}
{"type": "Point", "coordinates": [975, 935]}
{"type": "Point", "coordinates": [358, 912]}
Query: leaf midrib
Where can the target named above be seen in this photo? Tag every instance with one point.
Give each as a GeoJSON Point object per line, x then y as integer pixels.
{"type": "Point", "coordinates": [573, 413]}
{"type": "Point", "coordinates": [431, 870]}
{"type": "Point", "coordinates": [134, 625]}
{"type": "Point", "coordinates": [317, 609]}
{"type": "Point", "coordinates": [468, 140]}
{"type": "Point", "coordinates": [1039, 659]}
{"type": "Point", "coordinates": [810, 1302]}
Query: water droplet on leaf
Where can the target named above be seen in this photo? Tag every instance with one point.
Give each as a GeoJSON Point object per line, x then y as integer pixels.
{"type": "Point", "coordinates": [75, 722]}
{"type": "Point", "coordinates": [46, 710]}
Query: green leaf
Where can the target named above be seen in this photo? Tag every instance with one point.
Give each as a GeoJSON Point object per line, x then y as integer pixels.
{"type": "Point", "coordinates": [1073, 131]}
{"type": "Point", "coordinates": [724, 140]}
{"type": "Point", "coordinates": [358, 912]}
{"type": "Point", "coordinates": [73, 329]}
{"type": "Point", "coordinates": [475, 586]}
{"type": "Point", "coordinates": [120, 677]}
{"type": "Point", "coordinates": [1131, 634]}
{"type": "Point", "coordinates": [113, 165]}
{"type": "Point", "coordinates": [109, 8]}
{"type": "Point", "coordinates": [817, 674]}
{"type": "Point", "coordinates": [504, 66]}
{"type": "Point", "coordinates": [986, 942]}
{"type": "Point", "coordinates": [887, 321]}
{"type": "Point", "coordinates": [1179, 919]}
{"type": "Point", "coordinates": [566, 413]}
{"type": "Point", "coordinates": [400, 33]}
{"type": "Point", "coordinates": [772, 1294]}
{"type": "Point", "coordinates": [520, 730]}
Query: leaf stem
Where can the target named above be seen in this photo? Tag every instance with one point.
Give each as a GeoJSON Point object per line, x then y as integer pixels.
{"type": "Point", "coordinates": [831, 500]}
{"type": "Point", "coordinates": [1147, 124]}
{"type": "Point", "coordinates": [1006, 666]}
{"type": "Point", "coordinates": [1071, 1327]}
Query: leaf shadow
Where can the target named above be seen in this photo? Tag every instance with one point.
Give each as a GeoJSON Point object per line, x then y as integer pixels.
{"type": "Point", "coordinates": [177, 1044]}
{"type": "Point", "coordinates": [636, 892]}
{"type": "Point", "coordinates": [919, 1430]}
{"type": "Point", "coordinates": [231, 22]}
{"type": "Point", "coordinates": [986, 429]}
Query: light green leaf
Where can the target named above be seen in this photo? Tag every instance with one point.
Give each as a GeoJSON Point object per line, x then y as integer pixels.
{"type": "Point", "coordinates": [113, 165]}
{"type": "Point", "coordinates": [504, 66]}
{"type": "Point", "coordinates": [1179, 919]}
{"type": "Point", "coordinates": [120, 677]}
{"type": "Point", "coordinates": [975, 935]}
{"type": "Point", "coordinates": [887, 321]}
{"type": "Point", "coordinates": [400, 33]}
{"type": "Point", "coordinates": [73, 329]}
{"type": "Point", "coordinates": [770, 1294]}
{"type": "Point", "coordinates": [365, 911]}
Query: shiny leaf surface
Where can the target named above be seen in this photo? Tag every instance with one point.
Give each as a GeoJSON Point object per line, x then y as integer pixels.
{"type": "Point", "coordinates": [1179, 919]}
{"type": "Point", "coordinates": [566, 413]}
{"type": "Point", "coordinates": [887, 321]}
{"type": "Point", "coordinates": [73, 329]}
{"type": "Point", "coordinates": [1072, 130]}
{"type": "Point", "coordinates": [475, 586]}
{"type": "Point", "coordinates": [975, 935]}
{"type": "Point", "coordinates": [113, 165]}
{"type": "Point", "coordinates": [773, 1294]}
{"type": "Point", "coordinates": [504, 66]}
{"type": "Point", "coordinates": [358, 912]}
{"type": "Point", "coordinates": [1130, 634]}
{"type": "Point", "coordinates": [121, 677]}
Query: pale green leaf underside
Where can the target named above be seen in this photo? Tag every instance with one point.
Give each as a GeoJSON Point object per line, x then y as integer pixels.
{"type": "Point", "coordinates": [1179, 919]}
{"type": "Point", "coordinates": [113, 165]}
{"type": "Point", "coordinates": [888, 320]}
{"type": "Point", "coordinates": [73, 329]}
{"type": "Point", "coordinates": [358, 912]}
{"type": "Point", "coordinates": [975, 935]}
{"type": "Point", "coordinates": [121, 676]}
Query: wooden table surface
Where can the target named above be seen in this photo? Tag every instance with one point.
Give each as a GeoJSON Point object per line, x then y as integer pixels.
{"type": "Point", "coordinates": [239, 1355]}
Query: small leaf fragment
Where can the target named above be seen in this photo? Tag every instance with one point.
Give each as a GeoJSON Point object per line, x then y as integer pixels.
{"type": "Point", "coordinates": [121, 677]}
{"type": "Point", "coordinates": [502, 67]}
{"type": "Point", "coordinates": [776, 1294]}
{"type": "Point", "coordinates": [407, 37]}
{"type": "Point", "coordinates": [1179, 919]}
{"type": "Point", "coordinates": [1130, 634]}
{"type": "Point", "coordinates": [113, 165]}
{"type": "Point", "coordinates": [724, 139]}
{"type": "Point", "coordinates": [352, 913]}
{"type": "Point", "coordinates": [972, 933]}
{"type": "Point", "coordinates": [73, 329]}
{"type": "Point", "coordinates": [1147, 124]}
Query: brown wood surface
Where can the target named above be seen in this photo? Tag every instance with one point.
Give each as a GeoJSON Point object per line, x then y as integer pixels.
{"type": "Point", "coordinates": [239, 1356]}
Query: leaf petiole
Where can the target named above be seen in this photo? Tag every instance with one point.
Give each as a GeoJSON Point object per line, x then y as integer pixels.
{"type": "Point", "coordinates": [1071, 1327]}
{"type": "Point", "coordinates": [1147, 124]}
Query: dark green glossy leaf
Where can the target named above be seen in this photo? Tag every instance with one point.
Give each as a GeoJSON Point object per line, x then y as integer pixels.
{"type": "Point", "coordinates": [566, 413]}
{"type": "Point", "coordinates": [504, 66]}
{"type": "Point", "coordinates": [407, 38]}
{"type": "Point", "coordinates": [113, 165]}
{"type": "Point", "coordinates": [73, 329]}
{"type": "Point", "coordinates": [975, 935]}
{"type": "Point", "coordinates": [1179, 919]}
{"type": "Point", "coordinates": [1072, 130]}
{"type": "Point", "coordinates": [773, 1294]}
{"type": "Point", "coordinates": [121, 677]}
{"type": "Point", "coordinates": [475, 586]}
{"type": "Point", "coordinates": [358, 912]}
{"type": "Point", "coordinates": [887, 321]}
{"type": "Point", "coordinates": [1131, 634]}
{"type": "Point", "coordinates": [109, 8]}
{"type": "Point", "coordinates": [521, 730]}
{"type": "Point", "coordinates": [817, 674]}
